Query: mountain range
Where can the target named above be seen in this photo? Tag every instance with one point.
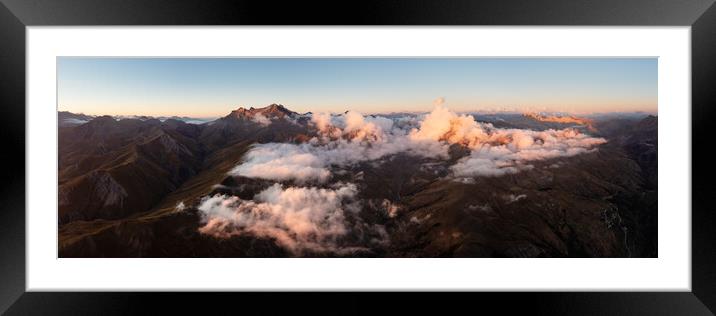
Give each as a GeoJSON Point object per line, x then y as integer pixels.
{"type": "Point", "coordinates": [142, 187]}
{"type": "Point", "coordinates": [66, 118]}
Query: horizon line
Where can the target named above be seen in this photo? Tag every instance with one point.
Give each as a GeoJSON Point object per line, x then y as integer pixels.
{"type": "Point", "coordinates": [507, 110]}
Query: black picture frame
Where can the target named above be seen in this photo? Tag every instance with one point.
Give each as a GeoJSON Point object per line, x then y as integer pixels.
{"type": "Point", "coordinates": [15, 15]}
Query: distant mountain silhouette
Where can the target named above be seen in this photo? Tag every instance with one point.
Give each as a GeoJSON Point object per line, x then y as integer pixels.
{"type": "Point", "coordinates": [66, 119]}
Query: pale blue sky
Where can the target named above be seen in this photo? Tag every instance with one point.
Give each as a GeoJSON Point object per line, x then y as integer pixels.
{"type": "Point", "coordinates": [210, 87]}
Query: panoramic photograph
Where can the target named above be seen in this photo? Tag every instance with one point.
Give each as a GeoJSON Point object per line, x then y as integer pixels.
{"type": "Point", "coordinates": [399, 157]}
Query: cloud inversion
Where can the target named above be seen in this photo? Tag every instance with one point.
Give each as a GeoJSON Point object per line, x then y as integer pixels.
{"type": "Point", "coordinates": [353, 138]}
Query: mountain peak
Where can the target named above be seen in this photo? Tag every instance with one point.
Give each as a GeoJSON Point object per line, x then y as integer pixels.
{"type": "Point", "coordinates": [270, 111]}
{"type": "Point", "coordinates": [274, 108]}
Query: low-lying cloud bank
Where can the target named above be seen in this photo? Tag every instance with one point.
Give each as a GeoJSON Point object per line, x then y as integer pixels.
{"type": "Point", "coordinates": [352, 138]}
{"type": "Point", "coordinates": [297, 218]}
{"type": "Point", "coordinates": [524, 147]}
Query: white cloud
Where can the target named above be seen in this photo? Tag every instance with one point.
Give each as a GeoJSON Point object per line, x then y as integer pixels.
{"type": "Point", "coordinates": [514, 198]}
{"type": "Point", "coordinates": [297, 218]}
{"type": "Point", "coordinates": [283, 162]}
{"type": "Point", "coordinates": [352, 126]}
{"type": "Point", "coordinates": [497, 151]}
{"type": "Point", "coordinates": [343, 140]}
{"type": "Point", "coordinates": [261, 119]}
{"type": "Point", "coordinates": [180, 207]}
{"type": "Point", "coordinates": [351, 138]}
{"type": "Point", "coordinates": [522, 147]}
{"type": "Point", "coordinates": [322, 121]}
{"type": "Point", "coordinates": [300, 219]}
{"type": "Point", "coordinates": [443, 125]}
